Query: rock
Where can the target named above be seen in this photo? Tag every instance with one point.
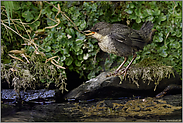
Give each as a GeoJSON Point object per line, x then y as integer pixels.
{"type": "Point", "coordinates": [150, 80]}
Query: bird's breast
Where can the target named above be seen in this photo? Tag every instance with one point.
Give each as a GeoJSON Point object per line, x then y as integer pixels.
{"type": "Point", "coordinates": [107, 45]}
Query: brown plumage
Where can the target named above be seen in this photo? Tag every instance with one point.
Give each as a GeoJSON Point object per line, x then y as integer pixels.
{"type": "Point", "coordinates": [121, 40]}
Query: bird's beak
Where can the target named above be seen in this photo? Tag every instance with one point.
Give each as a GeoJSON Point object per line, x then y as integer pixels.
{"type": "Point", "coordinates": [89, 32]}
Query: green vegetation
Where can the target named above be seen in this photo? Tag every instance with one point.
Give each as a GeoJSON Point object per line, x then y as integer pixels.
{"type": "Point", "coordinates": [54, 30]}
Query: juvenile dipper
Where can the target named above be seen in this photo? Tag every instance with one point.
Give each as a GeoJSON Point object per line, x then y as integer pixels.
{"type": "Point", "coordinates": [121, 40]}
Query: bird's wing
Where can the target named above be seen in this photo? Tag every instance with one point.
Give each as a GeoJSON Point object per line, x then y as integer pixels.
{"type": "Point", "coordinates": [120, 33]}
{"type": "Point", "coordinates": [127, 36]}
{"type": "Point", "coordinates": [137, 39]}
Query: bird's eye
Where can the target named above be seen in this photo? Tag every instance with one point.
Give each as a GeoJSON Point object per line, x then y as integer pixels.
{"type": "Point", "coordinates": [97, 29]}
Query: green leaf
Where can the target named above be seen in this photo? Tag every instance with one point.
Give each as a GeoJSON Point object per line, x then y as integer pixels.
{"type": "Point", "coordinates": [94, 7]}
{"type": "Point", "coordinates": [156, 12]}
{"type": "Point", "coordinates": [161, 17]}
{"type": "Point", "coordinates": [159, 37]}
{"type": "Point", "coordinates": [138, 20]}
{"type": "Point", "coordinates": [31, 49]}
{"type": "Point", "coordinates": [162, 51]}
{"type": "Point", "coordinates": [79, 52]}
{"type": "Point", "coordinates": [80, 36]}
{"type": "Point", "coordinates": [77, 63]}
{"type": "Point", "coordinates": [77, 48]}
{"type": "Point", "coordinates": [80, 57]}
{"type": "Point", "coordinates": [62, 58]}
{"type": "Point", "coordinates": [68, 61]}
{"type": "Point", "coordinates": [61, 36]}
{"type": "Point", "coordinates": [129, 11]}
{"type": "Point", "coordinates": [75, 14]}
{"type": "Point", "coordinates": [28, 16]}
{"type": "Point", "coordinates": [149, 11]}
{"type": "Point", "coordinates": [132, 5]}
{"type": "Point", "coordinates": [91, 74]}
{"type": "Point", "coordinates": [48, 48]}
{"type": "Point", "coordinates": [70, 31]}
{"type": "Point", "coordinates": [175, 45]}
{"type": "Point", "coordinates": [9, 9]}
{"type": "Point", "coordinates": [65, 50]}
{"type": "Point", "coordinates": [82, 25]}
{"type": "Point", "coordinates": [35, 25]}
{"type": "Point", "coordinates": [150, 18]}
{"type": "Point", "coordinates": [133, 16]}
{"type": "Point", "coordinates": [48, 55]}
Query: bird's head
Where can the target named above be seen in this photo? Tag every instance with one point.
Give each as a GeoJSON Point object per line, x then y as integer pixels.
{"type": "Point", "coordinates": [99, 29]}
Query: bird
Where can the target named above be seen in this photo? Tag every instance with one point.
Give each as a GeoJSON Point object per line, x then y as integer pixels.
{"type": "Point", "coordinates": [121, 40]}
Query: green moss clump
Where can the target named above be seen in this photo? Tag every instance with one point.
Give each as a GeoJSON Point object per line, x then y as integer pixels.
{"type": "Point", "coordinates": [149, 71]}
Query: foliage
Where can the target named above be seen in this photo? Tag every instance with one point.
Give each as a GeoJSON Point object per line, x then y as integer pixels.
{"type": "Point", "coordinates": [32, 75]}
{"type": "Point", "coordinates": [58, 27]}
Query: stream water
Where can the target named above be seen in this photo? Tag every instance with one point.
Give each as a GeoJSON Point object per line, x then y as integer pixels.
{"type": "Point", "coordinates": [167, 109]}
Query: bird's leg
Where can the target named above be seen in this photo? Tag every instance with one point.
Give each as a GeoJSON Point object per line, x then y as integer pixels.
{"type": "Point", "coordinates": [117, 70]}
{"type": "Point", "coordinates": [125, 71]}
{"type": "Point", "coordinates": [126, 58]}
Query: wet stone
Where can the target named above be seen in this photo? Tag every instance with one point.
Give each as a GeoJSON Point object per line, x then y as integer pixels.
{"type": "Point", "coordinates": [133, 85]}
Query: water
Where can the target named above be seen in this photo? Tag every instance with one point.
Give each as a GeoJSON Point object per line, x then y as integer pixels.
{"type": "Point", "coordinates": [147, 109]}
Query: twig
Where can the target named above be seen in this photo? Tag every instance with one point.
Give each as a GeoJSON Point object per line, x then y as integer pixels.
{"type": "Point", "coordinates": [65, 16]}
{"type": "Point", "coordinates": [57, 65]}
{"type": "Point", "coordinates": [13, 30]}
{"type": "Point", "coordinates": [25, 29]}
{"type": "Point", "coordinates": [16, 58]}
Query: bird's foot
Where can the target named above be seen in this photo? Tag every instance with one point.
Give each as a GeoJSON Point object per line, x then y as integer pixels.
{"type": "Point", "coordinates": [119, 73]}
{"type": "Point", "coordinates": [122, 72]}
{"type": "Point", "coordinates": [116, 73]}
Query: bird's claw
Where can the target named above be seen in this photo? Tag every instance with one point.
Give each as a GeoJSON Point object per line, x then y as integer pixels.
{"type": "Point", "coordinates": [117, 73]}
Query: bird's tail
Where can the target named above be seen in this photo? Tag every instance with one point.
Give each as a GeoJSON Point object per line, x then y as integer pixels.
{"type": "Point", "coordinates": [147, 31]}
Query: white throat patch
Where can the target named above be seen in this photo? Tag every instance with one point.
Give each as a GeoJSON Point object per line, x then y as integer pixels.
{"type": "Point", "coordinates": [105, 43]}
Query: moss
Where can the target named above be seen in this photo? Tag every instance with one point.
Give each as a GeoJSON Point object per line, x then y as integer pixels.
{"type": "Point", "coordinates": [149, 71]}
{"type": "Point", "coordinates": [138, 107]}
{"type": "Point", "coordinates": [35, 74]}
